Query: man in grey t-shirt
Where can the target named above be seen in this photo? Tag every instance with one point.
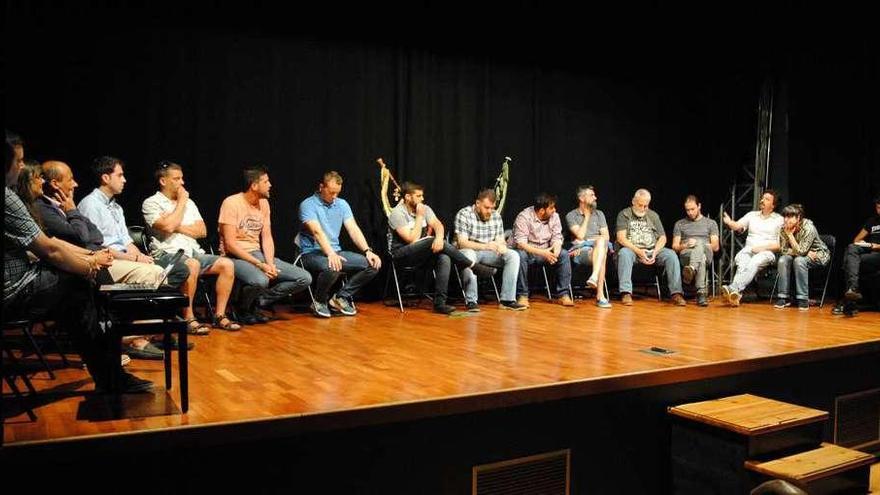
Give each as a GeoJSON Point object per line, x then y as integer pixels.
{"type": "Point", "coordinates": [695, 239]}
{"type": "Point", "coordinates": [589, 240]}
{"type": "Point", "coordinates": [413, 245]}
{"type": "Point", "coordinates": [641, 238]}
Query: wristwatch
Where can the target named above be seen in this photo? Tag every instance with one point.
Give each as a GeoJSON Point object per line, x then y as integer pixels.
{"type": "Point", "coordinates": [368, 250]}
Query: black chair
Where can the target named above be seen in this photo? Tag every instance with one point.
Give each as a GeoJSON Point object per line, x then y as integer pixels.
{"type": "Point", "coordinates": [398, 267]}
{"type": "Point", "coordinates": [831, 242]}
{"type": "Point", "coordinates": [140, 237]}
{"type": "Point", "coordinates": [297, 243]}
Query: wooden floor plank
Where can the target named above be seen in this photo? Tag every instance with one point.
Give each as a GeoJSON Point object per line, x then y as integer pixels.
{"type": "Point", "coordinates": [306, 366]}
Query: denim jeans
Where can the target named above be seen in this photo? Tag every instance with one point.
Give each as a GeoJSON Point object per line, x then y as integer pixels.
{"type": "Point", "coordinates": [355, 265]}
{"type": "Point", "coordinates": [802, 265]}
{"type": "Point", "coordinates": [291, 279]}
{"type": "Point", "coordinates": [419, 253]}
{"type": "Point", "coordinates": [562, 267]}
{"type": "Point", "coordinates": [698, 258]}
{"type": "Point", "coordinates": [508, 262]}
{"type": "Point", "coordinates": [748, 264]}
{"type": "Point", "coordinates": [666, 259]}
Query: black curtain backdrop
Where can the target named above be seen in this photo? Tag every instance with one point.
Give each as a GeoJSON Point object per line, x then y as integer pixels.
{"type": "Point", "coordinates": [220, 90]}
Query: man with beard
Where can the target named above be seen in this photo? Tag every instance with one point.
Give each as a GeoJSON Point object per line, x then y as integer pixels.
{"type": "Point", "coordinates": [537, 236]}
{"type": "Point", "coordinates": [479, 230]}
{"type": "Point", "coordinates": [411, 246]}
{"type": "Point", "coordinates": [641, 238]}
{"type": "Point", "coordinates": [246, 236]}
{"type": "Point", "coordinates": [695, 239]}
{"type": "Point", "coordinates": [762, 243]}
{"type": "Point", "coordinates": [323, 215]}
{"type": "Point", "coordinates": [589, 245]}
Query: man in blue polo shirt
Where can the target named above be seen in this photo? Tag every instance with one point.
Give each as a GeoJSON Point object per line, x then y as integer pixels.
{"type": "Point", "coordinates": [323, 214]}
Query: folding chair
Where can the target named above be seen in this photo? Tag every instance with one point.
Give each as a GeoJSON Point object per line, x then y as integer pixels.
{"type": "Point", "coordinates": [829, 241]}
{"type": "Point", "coordinates": [393, 273]}
{"type": "Point", "coordinates": [297, 242]}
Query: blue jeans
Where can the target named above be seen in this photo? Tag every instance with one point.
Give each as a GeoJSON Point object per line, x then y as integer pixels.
{"type": "Point", "coordinates": [508, 262]}
{"type": "Point", "coordinates": [666, 259]}
{"type": "Point", "coordinates": [748, 264]}
{"type": "Point", "coordinates": [562, 267]}
{"type": "Point", "coordinates": [802, 265]}
{"type": "Point", "coordinates": [355, 265]}
{"type": "Point", "coordinates": [291, 279]}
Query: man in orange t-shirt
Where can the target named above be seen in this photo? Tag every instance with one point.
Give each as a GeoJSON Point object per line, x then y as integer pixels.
{"type": "Point", "coordinates": [246, 237]}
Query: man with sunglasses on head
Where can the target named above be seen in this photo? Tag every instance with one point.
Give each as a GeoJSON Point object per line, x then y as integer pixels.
{"type": "Point", "coordinates": [175, 224]}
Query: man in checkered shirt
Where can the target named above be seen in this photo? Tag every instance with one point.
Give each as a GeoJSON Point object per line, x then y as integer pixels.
{"type": "Point", "coordinates": [480, 236]}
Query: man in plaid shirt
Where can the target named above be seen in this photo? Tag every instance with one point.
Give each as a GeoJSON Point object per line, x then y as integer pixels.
{"type": "Point", "coordinates": [480, 235]}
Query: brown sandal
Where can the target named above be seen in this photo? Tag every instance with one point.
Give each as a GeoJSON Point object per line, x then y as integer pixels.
{"type": "Point", "coordinates": [229, 325]}
{"type": "Point", "coordinates": [195, 327]}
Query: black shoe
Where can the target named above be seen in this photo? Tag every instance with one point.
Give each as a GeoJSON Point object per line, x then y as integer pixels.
{"type": "Point", "coordinates": [149, 351]}
{"type": "Point", "coordinates": [247, 318]}
{"type": "Point", "coordinates": [174, 344]}
{"type": "Point", "coordinates": [513, 306]}
{"type": "Point", "coordinates": [473, 307]}
{"type": "Point", "coordinates": [128, 384]}
{"type": "Point", "coordinates": [837, 310]}
{"type": "Point", "coordinates": [444, 309]}
{"type": "Point", "coordinates": [483, 271]}
{"type": "Point", "coordinates": [852, 294]}
{"type": "Point", "coordinates": [782, 303]}
{"type": "Point", "coordinates": [702, 300]}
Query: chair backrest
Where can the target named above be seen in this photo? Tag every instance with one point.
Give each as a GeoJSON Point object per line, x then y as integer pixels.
{"type": "Point", "coordinates": [139, 236]}
{"type": "Point", "coordinates": [829, 241]}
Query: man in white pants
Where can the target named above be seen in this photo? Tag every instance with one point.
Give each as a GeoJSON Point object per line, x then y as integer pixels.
{"type": "Point", "coordinates": [761, 247]}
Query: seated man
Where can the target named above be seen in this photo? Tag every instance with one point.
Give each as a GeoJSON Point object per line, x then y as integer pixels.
{"type": "Point", "coordinates": [57, 286]}
{"type": "Point", "coordinates": [589, 240]}
{"type": "Point", "coordinates": [762, 243]}
{"type": "Point", "coordinates": [641, 238]}
{"type": "Point", "coordinates": [245, 227]}
{"type": "Point", "coordinates": [862, 257]}
{"type": "Point", "coordinates": [695, 239]}
{"type": "Point", "coordinates": [412, 246]}
{"type": "Point", "coordinates": [101, 208]}
{"type": "Point", "coordinates": [323, 215]}
{"type": "Point", "coordinates": [479, 231]}
{"type": "Point", "coordinates": [176, 224]}
{"type": "Point", "coordinates": [537, 236]}
{"type": "Point", "coordinates": [799, 243]}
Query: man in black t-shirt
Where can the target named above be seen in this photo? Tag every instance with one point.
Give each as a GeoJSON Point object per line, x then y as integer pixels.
{"type": "Point", "coordinates": [862, 257]}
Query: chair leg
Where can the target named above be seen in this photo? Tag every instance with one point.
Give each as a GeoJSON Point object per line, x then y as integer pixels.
{"type": "Point", "coordinates": [773, 290]}
{"type": "Point", "coordinates": [26, 329]}
{"type": "Point", "coordinates": [546, 282]}
{"type": "Point", "coordinates": [51, 335]}
{"type": "Point", "coordinates": [397, 286]}
{"type": "Point", "coordinates": [657, 286]}
{"type": "Point", "coordinates": [460, 284]}
{"type": "Point", "coordinates": [495, 286]}
{"type": "Point", "coordinates": [827, 277]}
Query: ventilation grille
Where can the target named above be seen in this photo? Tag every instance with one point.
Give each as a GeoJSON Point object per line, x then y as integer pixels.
{"type": "Point", "coordinates": [538, 474]}
{"type": "Point", "coordinates": [857, 419]}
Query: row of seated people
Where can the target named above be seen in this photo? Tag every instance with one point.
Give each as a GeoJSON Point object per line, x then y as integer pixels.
{"type": "Point", "coordinates": [91, 240]}
{"type": "Point", "coordinates": [787, 240]}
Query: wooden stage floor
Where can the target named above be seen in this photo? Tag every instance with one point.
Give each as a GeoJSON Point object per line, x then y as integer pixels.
{"type": "Point", "coordinates": [303, 373]}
